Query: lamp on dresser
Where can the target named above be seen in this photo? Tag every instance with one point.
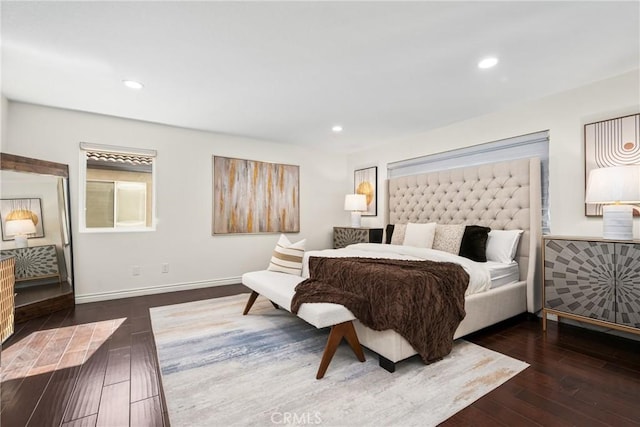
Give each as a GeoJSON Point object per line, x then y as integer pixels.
{"type": "Point", "coordinates": [20, 229]}
{"type": "Point", "coordinates": [616, 187]}
{"type": "Point", "coordinates": [356, 203]}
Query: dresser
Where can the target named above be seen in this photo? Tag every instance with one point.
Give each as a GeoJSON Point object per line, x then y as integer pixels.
{"type": "Point", "coordinates": [344, 236]}
{"type": "Point", "coordinates": [35, 263]}
{"type": "Point", "coordinates": [592, 280]}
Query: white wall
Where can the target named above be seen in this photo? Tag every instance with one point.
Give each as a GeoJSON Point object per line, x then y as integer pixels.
{"type": "Point", "coordinates": [103, 262]}
{"type": "Point", "coordinates": [563, 114]}
{"type": "Point", "coordinates": [4, 111]}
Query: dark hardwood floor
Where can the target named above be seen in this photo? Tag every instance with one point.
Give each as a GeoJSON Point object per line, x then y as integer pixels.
{"type": "Point", "coordinates": [96, 365]}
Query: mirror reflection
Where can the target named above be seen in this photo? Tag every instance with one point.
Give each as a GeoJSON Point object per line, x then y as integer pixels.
{"type": "Point", "coordinates": [35, 230]}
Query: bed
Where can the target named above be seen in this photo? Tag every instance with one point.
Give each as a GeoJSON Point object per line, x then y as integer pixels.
{"type": "Point", "coordinates": [502, 196]}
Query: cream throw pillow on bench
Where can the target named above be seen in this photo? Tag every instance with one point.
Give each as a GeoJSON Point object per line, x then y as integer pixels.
{"type": "Point", "coordinates": [287, 256]}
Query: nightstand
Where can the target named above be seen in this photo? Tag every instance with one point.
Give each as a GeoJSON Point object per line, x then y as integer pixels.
{"type": "Point", "coordinates": [343, 236]}
{"type": "Point", "coordinates": [592, 280]}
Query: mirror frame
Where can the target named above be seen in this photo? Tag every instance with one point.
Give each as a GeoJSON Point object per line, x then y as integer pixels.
{"type": "Point", "coordinates": [15, 163]}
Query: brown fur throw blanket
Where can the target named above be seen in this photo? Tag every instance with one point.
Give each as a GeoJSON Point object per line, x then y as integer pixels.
{"type": "Point", "coordinates": [421, 300]}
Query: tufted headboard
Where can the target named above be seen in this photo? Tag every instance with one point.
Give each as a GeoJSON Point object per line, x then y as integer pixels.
{"type": "Point", "coordinates": [503, 196]}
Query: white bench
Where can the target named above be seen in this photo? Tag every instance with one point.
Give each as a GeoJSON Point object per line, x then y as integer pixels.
{"type": "Point", "coordinates": [279, 288]}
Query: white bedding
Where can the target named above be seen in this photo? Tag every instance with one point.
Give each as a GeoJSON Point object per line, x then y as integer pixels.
{"type": "Point", "coordinates": [479, 276]}
{"type": "Point", "coordinates": [503, 274]}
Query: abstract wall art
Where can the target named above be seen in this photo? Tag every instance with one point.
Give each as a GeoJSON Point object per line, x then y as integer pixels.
{"type": "Point", "coordinates": [255, 197]}
{"type": "Point", "coordinates": [613, 142]}
{"type": "Point", "coordinates": [365, 181]}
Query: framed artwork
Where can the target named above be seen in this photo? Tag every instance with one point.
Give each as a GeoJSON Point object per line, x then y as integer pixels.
{"type": "Point", "coordinates": [21, 209]}
{"type": "Point", "coordinates": [250, 197]}
{"type": "Point", "coordinates": [613, 142]}
{"type": "Point", "coordinates": [365, 181]}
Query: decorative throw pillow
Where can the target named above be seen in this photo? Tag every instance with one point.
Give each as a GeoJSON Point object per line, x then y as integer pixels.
{"type": "Point", "coordinates": [388, 232]}
{"type": "Point", "coordinates": [502, 245]}
{"type": "Point", "coordinates": [420, 235]}
{"type": "Point", "coordinates": [474, 243]}
{"type": "Point", "coordinates": [287, 256]}
{"type": "Point", "coordinates": [448, 238]}
{"type": "Point", "coordinates": [398, 234]}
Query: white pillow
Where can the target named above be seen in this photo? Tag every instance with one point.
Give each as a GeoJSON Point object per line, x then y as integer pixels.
{"type": "Point", "coordinates": [420, 235]}
{"type": "Point", "coordinates": [502, 245]}
{"type": "Point", "coordinates": [448, 238]}
{"type": "Point", "coordinates": [287, 256]}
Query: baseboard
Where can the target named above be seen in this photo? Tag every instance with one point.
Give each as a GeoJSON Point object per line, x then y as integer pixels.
{"type": "Point", "coordinates": [127, 293]}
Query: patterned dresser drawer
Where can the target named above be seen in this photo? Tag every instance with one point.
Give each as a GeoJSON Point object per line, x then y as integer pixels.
{"type": "Point", "coordinates": [344, 236]}
{"type": "Point", "coordinates": [35, 262]}
{"type": "Point", "coordinates": [592, 280]}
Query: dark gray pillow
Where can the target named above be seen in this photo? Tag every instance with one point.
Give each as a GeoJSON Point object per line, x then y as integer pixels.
{"type": "Point", "coordinates": [388, 233]}
{"type": "Point", "coordinates": [474, 243]}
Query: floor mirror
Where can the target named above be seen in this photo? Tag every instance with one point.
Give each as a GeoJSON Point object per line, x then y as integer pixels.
{"type": "Point", "coordinates": [36, 233]}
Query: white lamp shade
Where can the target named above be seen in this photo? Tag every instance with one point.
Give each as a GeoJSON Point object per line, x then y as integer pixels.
{"type": "Point", "coordinates": [616, 184]}
{"type": "Point", "coordinates": [20, 227]}
{"type": "Point", "coordinates": [355, 202]}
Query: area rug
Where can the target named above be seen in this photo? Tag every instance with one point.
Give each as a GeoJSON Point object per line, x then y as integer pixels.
{"type": "Point", "coordinates": [221, 368]}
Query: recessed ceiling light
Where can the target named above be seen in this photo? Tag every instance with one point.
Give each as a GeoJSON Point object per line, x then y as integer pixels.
{"type": "Point", "coordinates": [488, 62]}
{"type": "Point", "coordinates": [336, 129]}
{"type": "Point", "coordinates": [132, 84]}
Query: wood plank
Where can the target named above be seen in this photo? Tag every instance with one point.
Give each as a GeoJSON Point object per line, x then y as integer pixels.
{"type": "Point", "coordinates": [81, 337]}
{"type": "Point", "coordinates": [53, 351]}
{"type": "Point", "coordinates": [144, 377]}
{"type": "Point", "coordinates": [114, 405]}
{"type": "Point", "coordinates": [624, 406]}
{"type": "Point", "coordinates": [118, 366]}
{"type": "Point", "coordinates": [511, 397]}
{"type": "Point", "coordinates": [146, 413]}
{"type": "Point", "coordinates": [490, 405]}
{"type": "Point", "coordinates": [17, 372]}
{"type": "Point", "coordinates": [17, 410]}
{"type": "Point", "coordinates": [85, 399]}
{"type": "Point", "coordinates": [89, 421]}
{"type": "Point", "coordinates": [472, 416]}
{"type": "Point", "coordinates": [54, 400]}
{"type": "Point", "coordinates": [121, 337]}
{"type": "Point", "coordinates": [141, 323]}
{"type": "Point", "coordinates": [554, 390]}
{"type": "Point", "coordinates": [21, 337]}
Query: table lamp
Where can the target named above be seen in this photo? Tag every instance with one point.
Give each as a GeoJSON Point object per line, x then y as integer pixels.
{"type": "Point", "coordinates": [356, 203]}
{"type": "Point", "coordinates": [615, 187]}
{"type": "Point", "coordinates": [20, 228]}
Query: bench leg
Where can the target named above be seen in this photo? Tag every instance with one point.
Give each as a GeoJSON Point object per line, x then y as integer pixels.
{"type": "Point", "coordinates": [339, 331]}
{"type": "Point", "coordinates": [252, 299]}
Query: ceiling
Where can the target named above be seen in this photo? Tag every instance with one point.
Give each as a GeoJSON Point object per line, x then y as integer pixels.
{"type": "Point", "coordinates": [289, 71]}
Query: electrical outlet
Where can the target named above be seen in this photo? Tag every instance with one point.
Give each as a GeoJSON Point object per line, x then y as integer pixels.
{"type": "Point", "coordinates": [165, 267]}
{"type": "Point", "coordinates": [135, 270]}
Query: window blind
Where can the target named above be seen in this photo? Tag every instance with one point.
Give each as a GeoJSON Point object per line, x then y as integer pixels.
{"type": "Point", "coordinates": [518, 147]}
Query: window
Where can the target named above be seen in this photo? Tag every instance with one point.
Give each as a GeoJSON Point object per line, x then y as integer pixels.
{"type": "Point", "coordinates": [117, 188]}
